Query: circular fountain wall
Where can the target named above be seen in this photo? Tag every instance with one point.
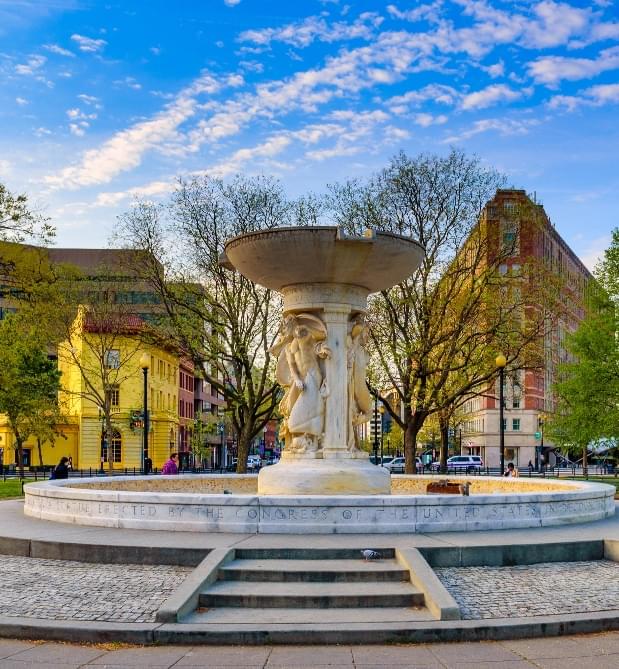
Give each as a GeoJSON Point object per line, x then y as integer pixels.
{"type": "Point", "coordinates": [198, 503]}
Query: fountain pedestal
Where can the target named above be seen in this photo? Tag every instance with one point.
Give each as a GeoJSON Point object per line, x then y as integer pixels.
{"type": "Point", "coordinates": [325, 278]}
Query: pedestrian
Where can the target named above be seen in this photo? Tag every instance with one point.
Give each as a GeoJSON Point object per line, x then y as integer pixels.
{"type": "Point", "coordinates": [61, 470]}
{"type": "Point", "coordinates": [70, 462]}
{"type": "Point", "coordinates": [148, 465]}
{"type": "Point", "coordinates": [530, 467]}
{"type": "Point", "coordinates": [171, 465]}
{"type": "Point", "coordinates": [511, 471]}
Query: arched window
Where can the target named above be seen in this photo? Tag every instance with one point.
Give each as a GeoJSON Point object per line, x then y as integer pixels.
{"type": "Point", "coordinates": [172, 440]}
{"type": "Point", "coordinates": [114, 448]}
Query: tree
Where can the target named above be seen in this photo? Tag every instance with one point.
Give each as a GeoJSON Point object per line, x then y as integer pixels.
{"type": "Point", "coordinates": [103, 341]}
{"type": "Point", "coordinates": [18, 223]}
{"type": "Point", "coordinates": [29, 383]}
{"type": "Point", "coordinates": [435, 335]}
{"type": "Point", "coordinates": [225, 322]}
{"type": "Point", "coordinates": [587, 393]}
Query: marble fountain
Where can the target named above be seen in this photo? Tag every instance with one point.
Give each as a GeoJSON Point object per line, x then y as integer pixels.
{"type": "Point", "coordinates": [323, 482]}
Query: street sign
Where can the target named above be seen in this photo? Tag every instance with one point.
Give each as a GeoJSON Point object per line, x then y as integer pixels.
{"type": "Point", "coordinates": [538, 435]}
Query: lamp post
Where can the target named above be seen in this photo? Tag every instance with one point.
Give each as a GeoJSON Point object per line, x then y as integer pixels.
{"type": "Point", "coordinates": [375, 421]}
{"type": "Point", "coordinates": [145, 364]}
{"type": "Point", "coordinates": [501, 361]}
{"type": "Point", "coordinates": [381, 410]}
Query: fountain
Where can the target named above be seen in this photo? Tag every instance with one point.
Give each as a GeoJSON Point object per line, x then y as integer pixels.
{"type": "Point", "coordinates": [325, 278]}
{"type": "Point", "coordinates": [324, 483]}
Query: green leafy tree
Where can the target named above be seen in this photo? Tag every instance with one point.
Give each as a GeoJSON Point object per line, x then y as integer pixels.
{"type": "Point", "coordinates": [29, 383]}
{"type": "Point", "coordinates": [587, 393]}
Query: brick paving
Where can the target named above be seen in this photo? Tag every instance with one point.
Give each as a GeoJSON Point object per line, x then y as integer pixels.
{"type": "Point", "coordinates": [68, 590]}
{"type": "Point", "coordinates": [533, 590]}
{"type": "Point", "coordinates": [596, 651]}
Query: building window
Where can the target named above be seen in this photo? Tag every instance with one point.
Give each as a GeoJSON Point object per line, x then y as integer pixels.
{"type": "Point", "coordinates": [516, 403]}
{"type": "Point", "coordinates": [516, 424]}
{"type": "Point", "coordinates": [502, 270]}
{"type": "Point", "coordinates": [504, 424]}
{"type": "Point", "coordinates": [111, 358]}
{"type": "Point", "coordinates": [114, 396]}
{"type": "Point", "coordinates": [114, 449]}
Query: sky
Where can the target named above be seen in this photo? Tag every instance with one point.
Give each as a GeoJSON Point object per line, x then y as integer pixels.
{"type": "Point", "coordinates": [103, 102]}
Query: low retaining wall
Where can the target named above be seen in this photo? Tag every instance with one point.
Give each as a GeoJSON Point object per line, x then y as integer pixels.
{"type": "Point", "coordinates": [157, 503]}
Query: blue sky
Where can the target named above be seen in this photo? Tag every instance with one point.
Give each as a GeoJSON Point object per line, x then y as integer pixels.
{"type": "Point", "coordinates": [102, 102]}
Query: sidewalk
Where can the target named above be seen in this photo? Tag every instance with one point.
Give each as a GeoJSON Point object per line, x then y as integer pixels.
{"type": "Point", "coordinates": [598, 651]}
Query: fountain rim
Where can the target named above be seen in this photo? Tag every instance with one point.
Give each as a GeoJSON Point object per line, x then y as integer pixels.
{"type": "Point", "coordinates": [339, 236]}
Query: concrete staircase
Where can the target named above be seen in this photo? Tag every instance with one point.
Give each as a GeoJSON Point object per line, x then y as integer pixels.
{"type": "Point", "coordinates": [264, 588]}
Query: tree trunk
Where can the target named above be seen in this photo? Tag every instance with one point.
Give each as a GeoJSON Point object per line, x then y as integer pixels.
{"type": "Point", "coordinates": [108, 442]}
{"type": "Point", "coordinates": [20, 455]}
{"type": "Point", "coordinates": [413, 425]}
{"type": "Point", "coordinates": [585, 464]}
{"type": "Point", "coordinates": [40, 450]}
{"type": "Point", "coordinates": [242, 449]}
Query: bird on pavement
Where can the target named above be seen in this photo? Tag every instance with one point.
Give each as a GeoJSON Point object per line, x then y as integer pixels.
{"type": "Point", "coordinates": [369, 554]}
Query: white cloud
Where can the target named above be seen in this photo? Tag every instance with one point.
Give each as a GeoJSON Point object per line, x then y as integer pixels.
{"type": "Point", "coordinates": [78, 129]}
{"type": "Point", "coordinates": [595, 96]}
{"type": "Point", "coordinates": [489, 96]}
{"type": "Point", "coordinates": [5, 168]}
{"type": "Point", "coordinates": [77, 114]}
{"type": "Point", "coordinates": [41, 132]}
{"type": "Point", "coordinates": [500, 125]}
{"type": "Point", "coordinates": [21, 101]}
{"type": "Point", "coordinates": [125, 149]}
{"type": "Point", "coordinates": [604, 93]}
{"type": "Point", "coordinates": [129, 82]}
{"type": "Point", "coordinates": [60, 51]}
{"type": "Point", "coordinates": [31, 66]}
{"type": "Point", "coordinates": [89, 44]}
{"type": "Point", "coordinates": [231, 3]}
{"type": "Point", "coordinates": [303, 33]}
{"type": "Point", "coordinates": [425, 120]}
{"type": "Point", "coordinates": [550, 70]}
{"type": "Point", "coordinates": [594, 252]}
{"type": "Point", "coordinates": [155, 50]}
{"type": "Point", "coordinates": [90, 100]}
{"type": "Point", "coordinates": [429, 12]}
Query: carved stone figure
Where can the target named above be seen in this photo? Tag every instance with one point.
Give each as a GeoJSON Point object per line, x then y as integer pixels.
{"type": "Point", "coordinates": [300, 349]}
{"type": "Point", "coordinates": [359, 398]}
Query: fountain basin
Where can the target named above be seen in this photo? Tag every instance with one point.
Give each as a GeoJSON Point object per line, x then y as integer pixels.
{"type": "Point", "coordinates": [197, 503]}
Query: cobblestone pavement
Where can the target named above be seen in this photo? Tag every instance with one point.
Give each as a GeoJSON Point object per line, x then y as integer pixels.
{"type": "Point", "coordinates": [67, 590]}
{"type": "Point", "coordinates": [533, 590]}
{"type": "Point", "coordinates": [595, 651]}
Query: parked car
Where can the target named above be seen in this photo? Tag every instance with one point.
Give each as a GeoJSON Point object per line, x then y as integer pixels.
{"type": "Point", "coordinates": [385, 460]}
{"type": "Point", "coordinates": [468, 463]}
{"type": "Point", "coordinates": [396, 465]}
{"type": "Point", "coordinates": [253, 462]}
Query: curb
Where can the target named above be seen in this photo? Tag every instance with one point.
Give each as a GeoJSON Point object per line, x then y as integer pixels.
{"type": "Point", "coordinates": [318, 634]}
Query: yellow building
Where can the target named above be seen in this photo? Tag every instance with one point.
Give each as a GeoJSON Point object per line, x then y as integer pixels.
{"type": "Point", "coordinates": [90, 361]}
{"type": "Point", "coordinates": [101, 365]}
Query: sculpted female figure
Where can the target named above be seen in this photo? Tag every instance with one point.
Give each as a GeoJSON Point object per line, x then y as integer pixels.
{"type": "Point", "coordinates": [300, 348]}
{"type": "Point", "coordinates": [359, 398]}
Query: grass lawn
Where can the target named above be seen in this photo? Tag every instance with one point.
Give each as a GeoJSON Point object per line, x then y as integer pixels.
{"type": "Point", "coordinates": [12, 487]}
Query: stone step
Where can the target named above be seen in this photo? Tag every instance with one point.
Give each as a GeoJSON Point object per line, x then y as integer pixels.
{"type": "Point", "coordinates": [330, 571]}
{"type": "Point", "coordinates": [309, 595]}
{"type": "Point", "coordinates": [302, 553]}
{"type": "Point", "coordinates": [242, 618]}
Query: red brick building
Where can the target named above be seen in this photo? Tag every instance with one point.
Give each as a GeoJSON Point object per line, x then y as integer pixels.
{"type": "Point", "coordinates": [522, 223]}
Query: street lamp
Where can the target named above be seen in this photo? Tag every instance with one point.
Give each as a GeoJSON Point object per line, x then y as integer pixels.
{"type": "Point", "coordinates": [145, 364]}
{"type": "Point", "coordinates": [381, 410]}
{"type": "Point", "coordinates": [375, 421]}
{"type": "Point", "coordinates": [501, 361]}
